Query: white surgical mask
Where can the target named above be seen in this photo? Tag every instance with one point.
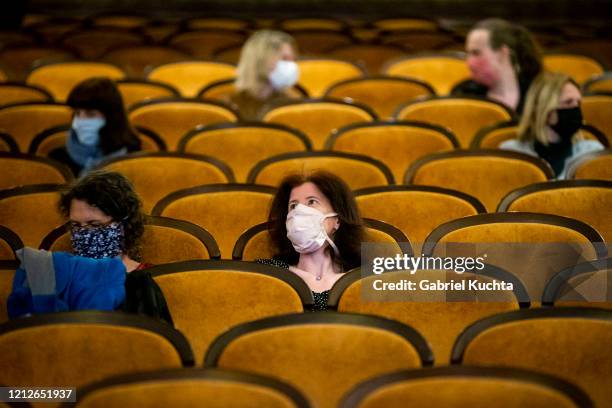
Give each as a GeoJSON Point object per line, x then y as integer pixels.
{"type": "Point", "coordinates": [284, 75]}
{"type": "Point", "coordinates": [306, 229]}
{"type": "Point", "coordinates": [88, 130]}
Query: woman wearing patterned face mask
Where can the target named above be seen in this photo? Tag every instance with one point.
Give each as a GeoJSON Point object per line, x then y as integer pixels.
{"type": "Point", "coordinates": [317, 231]}
{"type": "Point", "coordinates": [503, 59]}
{"type": "Point", "coordinates": [266, 70]}
{"type": "Point", "coordinates": [551, 123]}
{"type": "Point", "coordinates": [106, 222]}
{"type": "Point", "coordinates": [100, 128]}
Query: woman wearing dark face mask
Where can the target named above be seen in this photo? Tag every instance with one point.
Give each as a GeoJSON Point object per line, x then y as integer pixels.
{"type": "Point", "coordinates": [550, 124]}
{"type": "Point", "coordinates": [107, 222]}
{"type": "Point", "coordinates": [503, 59]}
{"type": "Point", "coordinates": [266, 70]}
{"type": "Point", "coordinates": [100, 128]}
{"type": "Point", "coordinates": [317, 230]}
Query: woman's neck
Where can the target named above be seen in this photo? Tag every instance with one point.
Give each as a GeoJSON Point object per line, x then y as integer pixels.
{"type": "Point", "coordinates": [130, 264]}
{"type": "Point", "coordinates": [507, 89]}
{"type": "Point", "coordinates": [319, 263]}
{"type": "Point", "coordinates": [265, 92]}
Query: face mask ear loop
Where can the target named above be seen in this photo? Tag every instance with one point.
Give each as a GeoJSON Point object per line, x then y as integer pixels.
{"type": "Point", "coordinates": [327, 238]}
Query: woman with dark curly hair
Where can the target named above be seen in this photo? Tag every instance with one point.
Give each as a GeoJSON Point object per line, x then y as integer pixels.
{"type": "Point", "coordinates": [100, 127]}
{"type": "Point", "coordinates": [316, 229]}
{"type": "Point", "coordinates": [106, 222]}
{"type": "Point", "coordinates": [504, 59]}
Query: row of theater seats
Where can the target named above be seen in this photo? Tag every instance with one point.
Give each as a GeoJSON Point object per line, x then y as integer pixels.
{"type": "Point", "coordinates": [217, 221]}
{"type": "Point", "coordinates": [443, 122]}
{"type": "Point", "coordinates": [486, 176]}
{"type": "Point", "coordinates": [259, 326]}
{"type": "Point", "coordinates": [431, 73]}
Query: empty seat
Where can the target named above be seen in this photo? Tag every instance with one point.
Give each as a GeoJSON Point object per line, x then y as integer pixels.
{"type": "Point", "coordinates": [19, 169]}
{"type": "Point", "coordinates": [135, 90]}
{"type": "Point", "coordinates": [318, 74]}
{"type": "Point", "coordinates": [321, 354]}
{"type": "Point", "coordinates": [202, 43]}
{"type": "Point", "coordinates": [118, 20]}
{"type": "Point", "coordinates": [312, 23]}
{"type": "Point", "coordinates": [228, 23]}
{"type": "Point", "coordinates": [446, 387]}
{"type": "Point", "coordinates": [172, 118]}
{"type": "Point", "coordinates": [242, 145]}
{"type": "Point", "coordinates": [585, 200]}
{"type": "Point", "coordinates": [24, 121]}
{"type": "Point", "coordinates": [91, 44]}
{"type": "Point", "coordinates": [9, 243]}
{"type": "Point", "coordinates": [397, 144]}
{"type": "Point", "coordinates": [464, 116]}
{"type": "Point", "coordinates": [405, 23]}
{"type": "Point", "coordinates": [440, 316]}
{"type": "Point", "coordinates": [158, 174]}
{"type": "Point", "coordinates": [312, 41]}
{"type": "Point", "coordinates": [81, 347]}
{"type": "Point", "coordinates": [371, 56]}
{"type": "Point", "coordinates": [602, 83]}
{"type": "Point", "coordinates": [381, 93]}
{"type": "Point", "coordinates": [136, 60]}
{"type": "Point", "coordinates": [441, 71]}
{"type": "Point", "coordinates": [223, 210]}
{"type": "Point", "coordinates": [532, 246]}
{"type": "Point", "coordinates": [421, 40]}
{"type": "Point", "coordinates": [211, 387]}
{"type": "Point", "coordinates": [552, 346]}
{"type": "Point", "coordinates": [18, 60]}
{"type": "Point", "coordinates": [195, 289]}
{"type": "Point", "coordinates": [17, 92]}
{"type": "Point", "coordinates": [60, 77]}
{"type": "Point", "coordinates": [579, 67]}
{"type": "Point", "coordinates": [415, 210]}
{"type": "Point", "coordinates": [164, 240]}
{"type": "Point", "coordinates": [7, 143]}
{"type": "Point", "coordinates": [189, 77]}
{"type": "Point", "coordinates": [356, 170]}
{"type": "Point", "coordinates": [487, 175]}
{"type": "Point", "coordinates": [595, 166]}
{"type": "Point", "coordinates": [586, 284]}
{"type": "Point", "coordinates": [597, 110]}
{"type": "Point", "coordinates": [31, 211]}
{"type": "Point", "coordinates": [255, 242]}
{"type": "Point", "coordinates": [318, 117]}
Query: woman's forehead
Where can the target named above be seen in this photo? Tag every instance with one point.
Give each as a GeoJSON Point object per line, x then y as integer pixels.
{"type": "Point", "coordinates": [307, 189]}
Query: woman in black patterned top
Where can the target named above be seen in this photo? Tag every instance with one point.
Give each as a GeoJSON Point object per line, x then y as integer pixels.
{"type": "Point", "coordinates": [316, 229]}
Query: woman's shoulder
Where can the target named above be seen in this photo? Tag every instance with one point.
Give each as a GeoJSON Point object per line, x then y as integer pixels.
{"type": "Point", "coordinates": [584, 146]}
{"type": "Point", "coordinates": [273, 262]}
{"type": "Point", "coordinates": [517, 146]}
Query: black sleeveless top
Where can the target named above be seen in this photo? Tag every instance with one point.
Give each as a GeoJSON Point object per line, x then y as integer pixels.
{"type": "Point", "coordinates": [320, 298]}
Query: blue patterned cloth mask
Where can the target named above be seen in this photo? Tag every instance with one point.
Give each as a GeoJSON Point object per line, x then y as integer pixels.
{"type": "Point", "coordinates": [97, 242]}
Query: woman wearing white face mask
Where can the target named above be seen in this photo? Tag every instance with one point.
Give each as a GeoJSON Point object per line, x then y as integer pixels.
{"type": "Point", "coordinates": [317, 231]}
{"type": "Point", "coordinates": [100, 128]}
{"type": "Point", "coordinates": [266, 69]}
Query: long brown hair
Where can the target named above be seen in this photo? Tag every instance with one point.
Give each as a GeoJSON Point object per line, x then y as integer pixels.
{"type": "Point", "coordinates": [347, 238]}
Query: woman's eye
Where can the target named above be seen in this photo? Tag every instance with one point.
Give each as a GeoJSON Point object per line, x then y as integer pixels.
{"type": "Point", "coordinates": [312, 201]}
{"type": "Point", "coordinates": [291, 206]}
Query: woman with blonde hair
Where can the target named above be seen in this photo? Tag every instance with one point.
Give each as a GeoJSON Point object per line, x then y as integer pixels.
{"type": "Point", "coordinates": [266, 69]}
{"type": "Point", "coordinates": [551, 121]}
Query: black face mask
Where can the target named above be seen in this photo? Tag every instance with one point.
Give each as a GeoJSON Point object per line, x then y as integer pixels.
{"type": "Point", "coordinates": [569, 121]}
